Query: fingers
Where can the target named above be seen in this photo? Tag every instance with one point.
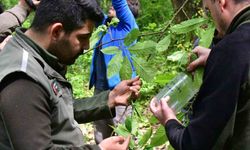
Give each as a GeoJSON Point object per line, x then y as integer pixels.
{"type": "Point", "coordinates": [118, 139]}
{"type": "Point", "coordinates": [122, 142]}
{"type": "Point", "coordinates": [164, 101]}
{"type": "Point", "coordinates": [126, 143]}
{"type": "Point", "coordinates": [153, 105]}
{"type": "Point", "coordinates": [193, 65]}
{"type": "Point", "coordinates": [133, 81]}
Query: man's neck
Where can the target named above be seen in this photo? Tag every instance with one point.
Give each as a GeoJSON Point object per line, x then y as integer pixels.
{"type": "Point", "coordinates": [40, 39]}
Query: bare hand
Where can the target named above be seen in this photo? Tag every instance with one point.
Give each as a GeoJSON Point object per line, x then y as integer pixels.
{"type": "Point", "coordinates": [203, 54]}
{"type": "Point", "coordinates": [126, 89]}
{"type": "Point", "coordinates": [161, 110]}
{"type": "Point", "coordinates": [115, 143]}
{"type": "Point", "coordinates": [26, 6]}
{"type": "Point", "coordinates": [4, 42]}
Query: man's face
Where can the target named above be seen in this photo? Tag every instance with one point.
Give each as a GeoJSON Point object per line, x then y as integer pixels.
{"type": "Point", "coordinates": [214, 9]}
{"type": "Point", "coordinates": [111, 13]}
{"type": "Point", "coordinates": [72, 44]}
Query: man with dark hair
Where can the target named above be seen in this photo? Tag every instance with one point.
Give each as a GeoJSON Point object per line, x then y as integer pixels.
{"type": "Point", "coordinates": [125, 11]}
{"type": "Point", "coordinates": [37, 110]}
{"type": "Point", "coordinates": [221, 111]}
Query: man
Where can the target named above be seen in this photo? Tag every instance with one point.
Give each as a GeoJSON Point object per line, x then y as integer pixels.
{"type": "Point", "coordinates": [126, 11]}
{"type": "Point", "coordinates": [220, 118]}
{"type": "Point", "coordinates": [14, 17]}
{"type": "Point", "coordinates": [36, 105]}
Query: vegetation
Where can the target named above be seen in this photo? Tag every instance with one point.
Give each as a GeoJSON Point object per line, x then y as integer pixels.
{"type": "Point", "coordinates": [167, 33]}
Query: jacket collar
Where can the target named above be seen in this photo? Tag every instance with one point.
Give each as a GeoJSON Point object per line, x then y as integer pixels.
{"type": "Point", "coordinates": [241, 18]}
{"type": "Point", "coordinates": [41, 53]}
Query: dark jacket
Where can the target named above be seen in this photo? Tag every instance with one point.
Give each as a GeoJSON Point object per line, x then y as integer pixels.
{"type": "Point", "coordinates": [221, 111]}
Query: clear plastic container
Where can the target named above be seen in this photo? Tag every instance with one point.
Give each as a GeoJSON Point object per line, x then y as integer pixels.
{"type": "Point", "coordinates": [181, 89]}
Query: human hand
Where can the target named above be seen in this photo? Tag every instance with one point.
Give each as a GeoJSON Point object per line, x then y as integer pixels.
{"type": "Point", "coordinates": [115, 143]}
{"type": "Point", "coordinates": [29, 4]}
{"type": "Point", "coordinates": [123, 91]}
{"type": "Point", "coordinates": [161, 110]}
{"type": "Point", "coordinates": [4, 42]}
{"type": "Point", "coordinates": [203, 54]}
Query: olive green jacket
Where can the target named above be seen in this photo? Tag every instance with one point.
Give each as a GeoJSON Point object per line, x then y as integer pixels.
{"type": "Point", "coordinates": [21, 54]}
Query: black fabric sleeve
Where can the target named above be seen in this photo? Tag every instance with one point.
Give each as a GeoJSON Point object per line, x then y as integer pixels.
{"type": "Point", "coordinates": [216, 101]}
{"type": "Point", "coordinates": [26, 113]}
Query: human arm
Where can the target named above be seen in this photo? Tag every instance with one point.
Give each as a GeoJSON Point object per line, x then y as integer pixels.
{"type": "Point", "coordinates": [14, 17]}
{"type": "Point", "coordinates": [102, 105]}
{"type": "Point", "coordinates": [26, 112]}
{"type": "Point", "coordinates": [124, 14]}
{"type": "Point", "coordinates": [215, 103]}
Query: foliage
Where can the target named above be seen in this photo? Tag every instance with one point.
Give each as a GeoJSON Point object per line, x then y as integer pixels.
{"type": "Point", "coordinates": [161, 52]}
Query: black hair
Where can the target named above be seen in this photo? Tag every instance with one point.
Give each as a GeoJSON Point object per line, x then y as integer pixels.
{"type": "Point", "coordinates": [134, 6]}
{"type": "Point", "coordinates": [71, 13]}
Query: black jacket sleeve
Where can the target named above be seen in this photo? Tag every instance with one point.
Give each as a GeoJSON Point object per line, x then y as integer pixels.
{"type": "Point", "coordinates": [26, 114]}
{"type": "Point", "coordinates": [224, 74]}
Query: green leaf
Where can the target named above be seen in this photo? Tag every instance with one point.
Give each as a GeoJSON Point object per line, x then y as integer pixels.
{"type": "Point", "coordinates": [176, 56]}
{"type": "Point", "coordinates": [163, 44]}
{"type": "Point", "coordinates": [145, 137]}
{"type": "Point", "coordinates": [114, 22]}
{"type": "Point", "coordinates": [122, 130]}
{"type": "Point", "coordinates": [111, 50]}
{"type": "Point", "coordinates": [96, 36]}
{"type": "Point", "coordinates": [153, 120]}
{"type": "Point", "coordinates": [187, 26]}
{"type": "Point", "coordinates": [143, 69]}
{"type": "Point", "coordinates": [131, 37]}
{"type": "Point", "coordinates": [115, 64]}
{"type": "Point", "coordinates": [159, 137]}
{"type": "Point", "coordinates": [128, 124]}
{"type": "Point", "coordinates": [143, 48]}
{"type": "Point", "coordinates": [163, 79]}
{"type": "Point", "coordinates": [206, 37]}
{"type": "Point", "coordinates": [126, 70]}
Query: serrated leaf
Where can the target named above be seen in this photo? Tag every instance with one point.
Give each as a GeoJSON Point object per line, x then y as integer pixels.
{"type": "Point", "coordinates": [187, 26]}
{"type": "Point", "coordinates": [131, 37]}
{"type": "Point", "coordinates": [115, 64]}
{"type": "Point", "coordinates": [163, 44]}
{"type": "Point", "coordinates": [145, 137]}
{"type": "Point", "coordinates": [143, 69]}
{"type": "Point", "coordinates": [143, 48]}
{"type": "Point", "coordinates": [159, 137]}
{"type": "Point", "coordinates": [126, 70]}
{"type": "Point", "coordinates": [111, 50]}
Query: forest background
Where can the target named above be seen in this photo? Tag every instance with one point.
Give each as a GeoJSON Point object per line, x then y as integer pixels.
{"type": "Point", "coordinates": [168, 29]}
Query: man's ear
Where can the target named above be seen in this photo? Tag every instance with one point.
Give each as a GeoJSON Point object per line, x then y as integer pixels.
{"type": "Point", "coordinates": [222, 4]}
{"type": "Point", "coordinates": [56, 31]}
